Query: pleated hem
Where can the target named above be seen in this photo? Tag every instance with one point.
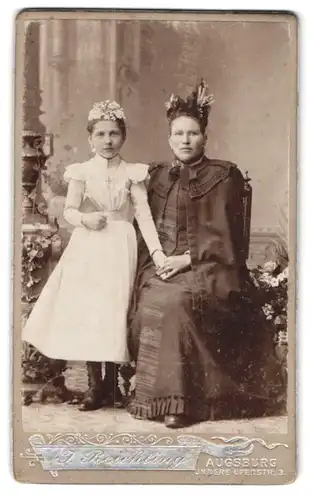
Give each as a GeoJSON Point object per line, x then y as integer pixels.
{"type": "Point", "coordinates": [158, 407]}
{"type": "Point", "coordinates": [226, 408]}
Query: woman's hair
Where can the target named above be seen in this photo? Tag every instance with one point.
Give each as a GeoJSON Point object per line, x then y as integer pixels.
{"type": "Point", "coordinates": [121, 124]}
{"type": "Point", "coordinates": [202, 124]}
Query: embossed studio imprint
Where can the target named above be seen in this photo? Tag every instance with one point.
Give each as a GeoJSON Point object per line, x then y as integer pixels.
{"type": "Point", "coordinates": [118, 458]}
{"type": "Point", "coordinates": [255, 466]}
{"type": "Point", "coordinates": [242, 462]}
{"type": "Point", "coordinates": [129, 452]}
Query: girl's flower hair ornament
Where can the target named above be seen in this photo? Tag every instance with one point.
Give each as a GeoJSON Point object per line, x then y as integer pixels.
{"type": "Point", "coordinates": [106, 110]}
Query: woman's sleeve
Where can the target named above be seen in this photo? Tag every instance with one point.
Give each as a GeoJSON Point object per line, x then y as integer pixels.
{"type": "Point", "coordinates": [74, 176]}
{"type": "Point", "coordinates": [139, 197]}
{"type": "Point", "coordinates": [236, 189]}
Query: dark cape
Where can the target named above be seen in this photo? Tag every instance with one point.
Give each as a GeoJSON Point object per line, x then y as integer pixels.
{"type": "Point", "coordinates": [200, 340]}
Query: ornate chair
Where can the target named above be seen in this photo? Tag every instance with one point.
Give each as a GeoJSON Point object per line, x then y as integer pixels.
{"type": "Point", "coordinates": [247, 211]}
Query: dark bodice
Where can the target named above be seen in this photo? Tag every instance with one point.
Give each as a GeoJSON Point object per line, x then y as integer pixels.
{"type": "Point", "coordinates": [172, 224]}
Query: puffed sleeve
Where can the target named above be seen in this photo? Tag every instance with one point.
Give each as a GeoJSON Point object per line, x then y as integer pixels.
{"type": "Point", "coordinates": [138, 172]}
{"type": "Point", "coordinates": [138, 175]}
{"type": "Point", "coordinates": [75, 172]}
{"type": "Point", "coordinates": [74, 175]}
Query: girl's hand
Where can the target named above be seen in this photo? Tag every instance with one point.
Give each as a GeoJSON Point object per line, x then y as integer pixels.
{"type": "Point", "coordinates": [159, 258]}
{"type": "Point", "coordinates": [173, 265]}
{"type": "Point", "coordinates": [94, 220]}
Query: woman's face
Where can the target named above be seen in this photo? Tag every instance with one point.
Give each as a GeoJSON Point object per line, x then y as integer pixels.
{"type": "Point", "coordinates": [186, 139]}
{"type": "Point", "coordinates": [106, 138]}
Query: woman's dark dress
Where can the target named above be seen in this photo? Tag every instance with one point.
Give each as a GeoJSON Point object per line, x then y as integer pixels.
{"type": "Point", "coordinates": [200, 350]}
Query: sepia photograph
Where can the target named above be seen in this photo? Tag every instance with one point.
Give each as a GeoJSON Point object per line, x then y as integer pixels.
{"type": "Point", "coordinates": [155, 262]}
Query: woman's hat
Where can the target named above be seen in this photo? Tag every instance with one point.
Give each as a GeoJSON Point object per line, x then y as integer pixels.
{"type": "Point", "coordinates": [197, 105]}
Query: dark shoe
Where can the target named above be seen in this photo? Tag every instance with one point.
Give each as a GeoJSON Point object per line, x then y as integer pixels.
{"type": "Point", "coordinates": [61, 389]}
{"type": "Point", "coordinates": [93, 397]}
{"type": "Point", "coordinates": [91, 401]}
{"type": "Point", "coordinates": [175, 421]}
{"type": "Point", "coordinates": [111, 393]}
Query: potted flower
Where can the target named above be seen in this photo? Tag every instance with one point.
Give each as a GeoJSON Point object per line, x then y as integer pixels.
{"type": "Point", "coordinates": [271, 280]}
{"type": "Point", "coordinates": [37, 371]}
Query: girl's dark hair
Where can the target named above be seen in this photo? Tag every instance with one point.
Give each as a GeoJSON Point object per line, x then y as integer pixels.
{"type": "Point", "coordinates": [121, 124]}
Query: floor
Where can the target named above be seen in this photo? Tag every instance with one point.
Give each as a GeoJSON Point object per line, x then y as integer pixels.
{"type": "Point", "coordinates": [47, 418]}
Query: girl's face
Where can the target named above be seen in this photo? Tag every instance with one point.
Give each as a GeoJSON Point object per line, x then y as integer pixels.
{"type": "Point", "coordinates": [186, 139]}
{"type": "Point", "coordinates": [106, 138]}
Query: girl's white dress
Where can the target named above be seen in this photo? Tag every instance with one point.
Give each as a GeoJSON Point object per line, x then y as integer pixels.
{"type": "Point", "coordinates": [81, 313]}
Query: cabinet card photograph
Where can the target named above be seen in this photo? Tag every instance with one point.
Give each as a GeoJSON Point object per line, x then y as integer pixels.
{"type": "Point", "coordinates": [154, 247]}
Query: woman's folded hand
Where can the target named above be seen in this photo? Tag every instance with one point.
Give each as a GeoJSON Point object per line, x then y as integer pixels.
{"type": "Point", "coordinates": [173, 265]}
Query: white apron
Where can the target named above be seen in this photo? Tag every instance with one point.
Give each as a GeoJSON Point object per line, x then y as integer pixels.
{"type": "Point", "coordinates": [81, 313]}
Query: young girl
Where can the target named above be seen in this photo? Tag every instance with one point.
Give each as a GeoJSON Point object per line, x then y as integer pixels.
{"type": "Point", "coordinates": [81, 313]}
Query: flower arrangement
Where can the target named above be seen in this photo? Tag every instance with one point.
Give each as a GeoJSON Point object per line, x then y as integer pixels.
{"type": "Point", "coordinates": [36, 369]}
{"type": "Point", "coordinates": [36, 250]}
{"type": "Point", "coordinates": [107, 110]}
{"type": "Point", "coordinates": [272, 284]}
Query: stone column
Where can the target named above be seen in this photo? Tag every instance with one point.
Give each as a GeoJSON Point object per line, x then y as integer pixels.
{"type": "Point", "coordinates": [112, 43]}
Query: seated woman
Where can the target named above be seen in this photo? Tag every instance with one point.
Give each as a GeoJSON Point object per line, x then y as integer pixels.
{"type": "Point", "coordinates": [196, 333]}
